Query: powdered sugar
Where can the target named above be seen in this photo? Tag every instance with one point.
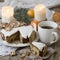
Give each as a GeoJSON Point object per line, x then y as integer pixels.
{"type": "Point", "coordinates": [25, 31]}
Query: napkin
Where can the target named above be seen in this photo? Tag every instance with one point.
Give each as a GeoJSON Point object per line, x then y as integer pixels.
{"type": "Point", "coordinates": [6, 50]}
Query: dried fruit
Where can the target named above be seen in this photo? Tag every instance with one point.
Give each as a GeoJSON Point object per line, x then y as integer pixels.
{"type": "Point", "coordinates": [56, 17]}
{"type": "Point", "coordinates": [30, 12]}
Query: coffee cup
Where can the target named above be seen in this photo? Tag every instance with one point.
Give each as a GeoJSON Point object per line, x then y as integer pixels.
{"type": "Point", "coordinates": [47, 32]}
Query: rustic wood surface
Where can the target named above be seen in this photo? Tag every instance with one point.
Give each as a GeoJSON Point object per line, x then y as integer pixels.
{"type": "Point", "coordinates": [55, 46]}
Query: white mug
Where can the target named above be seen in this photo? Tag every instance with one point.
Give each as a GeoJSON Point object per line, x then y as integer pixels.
{"type": "Point", "coordinates": [46, 35]}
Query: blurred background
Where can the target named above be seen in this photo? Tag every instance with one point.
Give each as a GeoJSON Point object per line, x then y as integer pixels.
{"type": "Point", "coordinates": [28, 3]}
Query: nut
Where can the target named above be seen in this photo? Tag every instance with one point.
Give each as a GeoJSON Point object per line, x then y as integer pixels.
{"type": "Point", "coordinates": [13, 53]}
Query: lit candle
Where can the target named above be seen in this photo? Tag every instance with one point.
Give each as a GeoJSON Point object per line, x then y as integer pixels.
{"type": "Point", "coordinates": [7, 13]}
{"type": "Point", "coordinates": [40, 12]}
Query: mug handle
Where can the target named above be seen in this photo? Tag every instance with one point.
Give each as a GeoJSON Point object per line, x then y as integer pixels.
{"type": "Point", "coordinates": [55, 37]}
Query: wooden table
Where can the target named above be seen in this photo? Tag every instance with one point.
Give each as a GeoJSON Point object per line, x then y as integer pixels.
{"type": "Point", "coordinates": [55, 46]}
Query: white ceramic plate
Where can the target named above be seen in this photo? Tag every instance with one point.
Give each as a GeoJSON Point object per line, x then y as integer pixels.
{"type": "Point", "coordinates": [16, 43]}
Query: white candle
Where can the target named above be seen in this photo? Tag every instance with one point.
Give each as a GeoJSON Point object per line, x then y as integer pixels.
{"type": "Point", "coordinates": [7, 13]}
{"type": "Point", "coordinates": [40, 12]}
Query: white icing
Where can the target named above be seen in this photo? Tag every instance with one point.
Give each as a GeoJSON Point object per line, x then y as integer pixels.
{"type": "Point", "coordinates": [9, 33]}
{"type": "Point", "coordinates": [25, 31]}
{"type": "Point", "coordinates": [39, 45]}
